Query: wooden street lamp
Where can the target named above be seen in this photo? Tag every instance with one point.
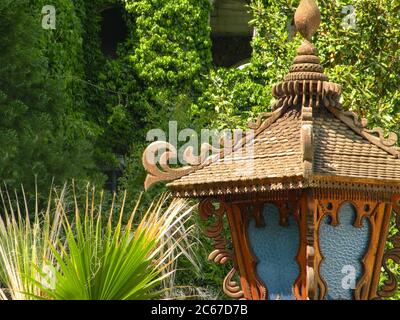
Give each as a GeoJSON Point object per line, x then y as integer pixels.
{"type": "Point", "coordinates": [309, 209]}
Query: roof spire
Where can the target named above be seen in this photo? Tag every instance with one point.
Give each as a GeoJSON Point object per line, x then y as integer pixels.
{"type": "Point", "coordinates": [306, 81]}
{"type": "Point", "coordinates": [307, 18]}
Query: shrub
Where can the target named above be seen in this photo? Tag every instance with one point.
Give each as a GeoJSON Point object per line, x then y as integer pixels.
{"type": "Point", "coordinates": [91, 255]}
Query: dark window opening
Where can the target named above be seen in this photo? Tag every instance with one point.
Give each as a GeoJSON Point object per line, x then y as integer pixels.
{"type": "Point", "coordinates": [231, 33]}
{"type": "Point", "coordinates": [112, 179]}
{"type": "Point", "coordinates": [114, 173]}
{"type": "Point", "coordinates": [113, 30]}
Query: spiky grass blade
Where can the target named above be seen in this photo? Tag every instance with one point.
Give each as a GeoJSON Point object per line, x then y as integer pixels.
{"type": "Point", "coordinates": [117, 261]}
{"type": "Point", "coordinates": [26, 244]}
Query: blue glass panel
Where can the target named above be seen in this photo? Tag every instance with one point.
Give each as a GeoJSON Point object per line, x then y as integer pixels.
{"type": "Point", "coordinates": [343, 247]}
{"type": "Point", "coordinates": [276, 248]}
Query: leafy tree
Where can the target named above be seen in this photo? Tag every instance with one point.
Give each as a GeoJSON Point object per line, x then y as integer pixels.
{"type": "Point", "coordinates": [37, 133]}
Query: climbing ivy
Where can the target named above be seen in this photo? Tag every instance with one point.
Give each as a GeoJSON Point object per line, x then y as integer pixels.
{"type": "Point", "coordinates": [45, 131]}
{"type": "Point", "coordinates": [160, 74]}
{"type": "Point", "coordinates": [63, 47]}
{"type": "Point", "coordinates": [173, 46]}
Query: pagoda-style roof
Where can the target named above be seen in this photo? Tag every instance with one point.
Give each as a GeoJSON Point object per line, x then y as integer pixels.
{"type": "Point", "coordinates": [307, 141]}
{"type": "Point", "coordinates": [339, 152]}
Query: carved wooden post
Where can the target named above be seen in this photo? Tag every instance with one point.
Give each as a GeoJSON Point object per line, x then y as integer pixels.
{"type": "Point", "coordinates": [391, 285]}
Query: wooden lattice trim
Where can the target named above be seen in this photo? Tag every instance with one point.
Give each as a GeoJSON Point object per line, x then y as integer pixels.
{"type": "Point", "coordinates": [302, 284]}
{"type": "Point", "coordinates": [239, 216]}
{"type": "Point", "coordinates": [215, 230]}
{"type": "Point", "coordinates": [378, 217]}
{"type": "Point", "coordinates": [353, 188]}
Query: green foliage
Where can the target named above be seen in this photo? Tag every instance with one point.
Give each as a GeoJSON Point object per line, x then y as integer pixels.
{"type": "Point", "coordinates": [26, 241]}
{"type": "Point", "coordinates": [92, 255]}
{"type": "Point", "coordinates": [64, 103]}
{"type": "Point", "coordinates": [63, 48]}
{"type": "Point", "coordinates": [38, 136]}
{"type": "Point", "coordinates": [207, 283]}
{"type": "Point", "coordinates": [165, 56]}
{"type": "Point", "coordinates": [107, 261]}
{"type": "Point", "coordinates": [364, 60]}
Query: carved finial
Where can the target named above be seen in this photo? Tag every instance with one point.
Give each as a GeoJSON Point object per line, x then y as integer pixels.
{"type": "Point", "coordinates": [306, 84]}
{"type": "Point", "coordinates": [307, 18]}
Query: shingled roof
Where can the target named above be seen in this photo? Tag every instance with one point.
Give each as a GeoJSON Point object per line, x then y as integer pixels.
{"type": "Point", "coordinates": [274, 153]}
{"type": "Point", "coordinates": [307, 140]}
{"type": "Point", "coordinates": [277, 162]}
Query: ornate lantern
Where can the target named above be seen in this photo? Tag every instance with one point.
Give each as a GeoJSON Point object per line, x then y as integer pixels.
{"type": "Point", "coordinates": [310, 220]}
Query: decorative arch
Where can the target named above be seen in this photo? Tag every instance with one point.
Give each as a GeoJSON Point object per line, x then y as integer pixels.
{"type": "Point", "coordinates": [343, 243]}
{"type": "Point", "coordinates": [275, 242]}
{"type": "Point", "coordinates": [369, 221]}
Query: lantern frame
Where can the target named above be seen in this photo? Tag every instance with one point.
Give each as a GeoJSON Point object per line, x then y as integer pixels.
{"type": "Point", "coordinates": [310, 159]}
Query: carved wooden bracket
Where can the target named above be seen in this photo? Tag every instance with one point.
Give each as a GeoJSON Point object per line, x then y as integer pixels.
{"type": "Point", "coordinates": [391, 285]}
{"type": "Point", "coordinates": [230, 287]}
{"type": "Point", "coordinates": [158, 157]}
{"type": "Point", "coordinates": [160, 169]}
{"type": "Point", "coordinates": [221, 255]}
